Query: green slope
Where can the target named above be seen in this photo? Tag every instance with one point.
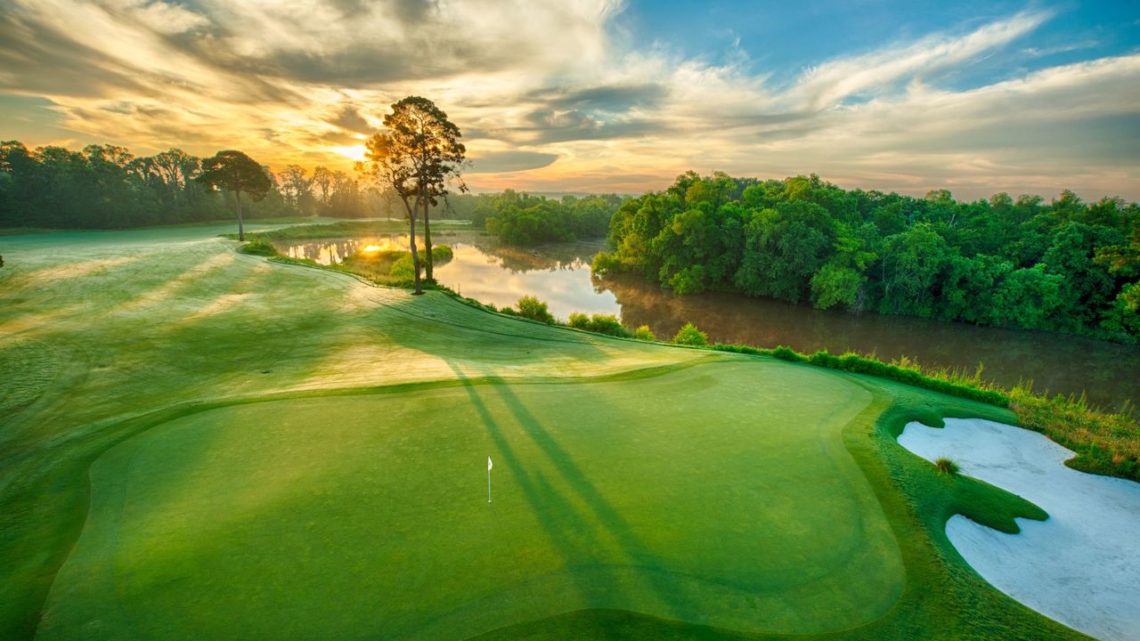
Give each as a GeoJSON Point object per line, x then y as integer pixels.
{"type": "Point", "coordinates": [205, 444]}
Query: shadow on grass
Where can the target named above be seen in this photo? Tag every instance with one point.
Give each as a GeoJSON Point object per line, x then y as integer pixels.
{"type": "Point", "coordinates": [635, 550]}
{"type": "Point", "coordinates": [557, 513]}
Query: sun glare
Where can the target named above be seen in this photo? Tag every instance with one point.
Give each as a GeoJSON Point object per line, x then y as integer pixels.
{"type": "Point", "coordinates": [352, 152]}
{"type": "Point", "coordinates": [371, 248]}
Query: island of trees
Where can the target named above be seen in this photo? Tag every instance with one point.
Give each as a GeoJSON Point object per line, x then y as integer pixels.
{"type": "Point", "coordinates": [1065, 266]}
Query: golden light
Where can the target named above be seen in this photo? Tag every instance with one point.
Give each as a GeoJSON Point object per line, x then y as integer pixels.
{"type": "Point", "coordinates": [371, 248]}
{"type": "Point", "coordinates": [352, 152]}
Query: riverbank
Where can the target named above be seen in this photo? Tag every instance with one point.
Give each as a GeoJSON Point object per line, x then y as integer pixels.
{"type": "Point", "coordinates": [1048, 364]}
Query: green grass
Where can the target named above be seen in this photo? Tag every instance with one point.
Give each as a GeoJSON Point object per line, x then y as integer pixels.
{"type": "Point", "coordinates": [211, 445]}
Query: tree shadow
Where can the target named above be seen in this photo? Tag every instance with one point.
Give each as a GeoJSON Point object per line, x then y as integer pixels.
{"type": "Point", "coordinates": [556, 512]}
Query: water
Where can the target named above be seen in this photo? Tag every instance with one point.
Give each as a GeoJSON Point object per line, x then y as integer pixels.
{"type": "Point", "coordinates": [560, 276]}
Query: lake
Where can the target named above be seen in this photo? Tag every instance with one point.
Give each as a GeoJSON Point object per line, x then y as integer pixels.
{"type": "Point", "coordinates": [560, 276]}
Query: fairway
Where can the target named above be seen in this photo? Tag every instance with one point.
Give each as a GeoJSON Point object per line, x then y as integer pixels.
{"type": "Point", "coordinates": [716, 494]}
{"type": "Point", "coordinates": [218, 446]}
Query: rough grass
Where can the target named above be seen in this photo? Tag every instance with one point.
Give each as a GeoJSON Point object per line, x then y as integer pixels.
{"type": "Point", "coordinates": [193, 358]}
{"type": "Point", "coordinates": [1105, 443]}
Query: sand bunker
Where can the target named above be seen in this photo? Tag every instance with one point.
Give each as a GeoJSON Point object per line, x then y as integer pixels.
{"type": "Point", "coordinates": [1080, 566]}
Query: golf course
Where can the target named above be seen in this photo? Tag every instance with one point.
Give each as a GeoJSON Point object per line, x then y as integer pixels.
{"type": "Point", "coordinates": [202, 444]}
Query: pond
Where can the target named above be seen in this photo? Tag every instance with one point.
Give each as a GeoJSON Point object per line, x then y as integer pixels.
{"type": "Point", "coordinates": [560, 276]}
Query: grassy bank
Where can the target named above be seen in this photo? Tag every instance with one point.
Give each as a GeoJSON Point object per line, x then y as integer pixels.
{"type": "Point", "coordinates": [208, 442]}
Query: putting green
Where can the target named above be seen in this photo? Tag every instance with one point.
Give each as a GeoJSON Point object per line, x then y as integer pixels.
{"type": "Point", "coordinates": [718, 493]}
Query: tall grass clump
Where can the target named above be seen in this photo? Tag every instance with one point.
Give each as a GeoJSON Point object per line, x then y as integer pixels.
{"type": "Point", "coordinates": [534, 309]}
{"type": "Point", "coordinates": [946, 466]}
{"type": "Point", "coordinates": [258, 247]}
{"type": "Point", "coordinates": [1105, 443]}
{"type": "Point", "coordinates": [690, 335]}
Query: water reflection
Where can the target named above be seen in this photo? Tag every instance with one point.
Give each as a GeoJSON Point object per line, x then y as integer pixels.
{"type": "Point", "coordinates": [560, 275]}
{"type": "Point", "coordinates": [327, 252]}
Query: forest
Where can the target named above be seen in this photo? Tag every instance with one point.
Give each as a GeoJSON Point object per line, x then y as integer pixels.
{"type": "Point", "coordinates": [1066, 265]}
{"type": "Point", "coordinates": [524, 219]}
{"type": "Point", "coordinates": [107, 187]}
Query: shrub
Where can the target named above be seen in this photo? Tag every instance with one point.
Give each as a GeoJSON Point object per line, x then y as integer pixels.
{"type": "Point", "coordinates": [403, 267]}
{"type": "Point", "coordinates": [258, 248]}
{"type": "Point", "coordinates": [643, 333]}
{"type": "Point", "coordinates": [690, 335]}
{"type": "Point", "coordinates": [785, 353]}
{"type": "Point", "coordinates": [441, 254]}
{"type": "Point", "coordinates": [579, 320]}
{"type": "Point", "coordinates": [946, 466]}
{"type": "Point", "coordinates": [531, 307]}
{"type": "Point", "coordinates": [607, 324]}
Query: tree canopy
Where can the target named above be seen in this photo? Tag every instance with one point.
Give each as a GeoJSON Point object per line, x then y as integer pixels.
{"type": "Point", "coordinates": [1064, 266]}
{"type": "Point", "coordinates": [418, 156]}
{"type": "Point", "coordinates": [236, 172]}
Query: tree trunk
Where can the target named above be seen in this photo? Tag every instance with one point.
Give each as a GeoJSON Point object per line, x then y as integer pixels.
{"type": "Point", "coordinates": [241, 226]}
{"type": "Point", "coordinates": [427, 241]}
{"type": "Point", "coordinates": [412, 240]}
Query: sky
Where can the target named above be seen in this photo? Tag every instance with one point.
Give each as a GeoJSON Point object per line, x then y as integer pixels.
{"type": "Point", "coordinates": [604, 95]}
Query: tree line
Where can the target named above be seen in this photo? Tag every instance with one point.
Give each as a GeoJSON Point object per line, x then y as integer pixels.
{"type": "Point", "coordinates": [1065, 265]}
{"type": "Point", "coordinates": [525, 219]}
{"type": "Point", "coordinates": [108, 187]}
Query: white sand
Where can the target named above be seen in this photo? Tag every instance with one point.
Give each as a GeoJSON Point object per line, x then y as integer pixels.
{"type": "Point", "coordinates": [1081, 566]}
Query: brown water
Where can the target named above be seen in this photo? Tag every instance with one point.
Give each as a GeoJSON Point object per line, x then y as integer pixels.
{"type": "Point", "coordinates": [560, 275]}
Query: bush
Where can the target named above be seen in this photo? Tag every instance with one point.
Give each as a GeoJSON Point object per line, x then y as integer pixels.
{"type": "Point", "coordinates": [579, 320]}
{"type": "Point", "coordinates": [440, 254]}
{"type": "Point", "coordinates": [258, 248]}
{"type": "Point", "coordinates": [403, 267]}
{"type": "Point", "coordinates": [690, 335]}
{"type": "Point", "coordinates": [946, 466]}
{"type": "Point", "coordinates": [607, 324]}
{"type": "Point", "coordinates": [532, 308]}
{"type": "Point", "coordinates": [643, 333]}
{"type": "Point", "coordinates": [785, 353]}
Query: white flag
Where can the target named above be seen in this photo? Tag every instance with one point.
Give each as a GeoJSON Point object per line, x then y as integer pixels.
{"type": "Point", "coordinates": [489, 464]}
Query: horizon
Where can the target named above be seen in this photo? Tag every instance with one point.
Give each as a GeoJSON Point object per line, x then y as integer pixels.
{"type": "Point", "coordinates": [605, 96]}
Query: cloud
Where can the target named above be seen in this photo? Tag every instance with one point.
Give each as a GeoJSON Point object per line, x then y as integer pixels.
{"type": "Point", "coordinates": [349, 118]}
{"type": "Point", "coordinates": [829, 83]}
{"type": "Point", "coordinates": [510, 161]}
{"type": "Point", "coordinates": [615, 98]}
{"type": "Point", "coordinates": [551, 95]}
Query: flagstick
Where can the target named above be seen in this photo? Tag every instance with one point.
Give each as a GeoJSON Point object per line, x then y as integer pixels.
{"type": "Point", "coordinates": [488, 485]}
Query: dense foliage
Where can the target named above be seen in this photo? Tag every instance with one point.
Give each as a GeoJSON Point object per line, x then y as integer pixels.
{"type": "Point", "coordinates": [103, 187]}
{"type": "Point", "coordinates": [1065, 266]}
{"type": "Point", "coordinates": [523, 219]}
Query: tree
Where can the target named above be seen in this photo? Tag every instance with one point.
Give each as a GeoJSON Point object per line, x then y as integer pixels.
{"type": "Point", "coordinates": [234, 171]}
{"type": "Point", "coordinates": [323, 179]}
{"type": "Point", "coordinates": [295, 186]}
{"type": "Point", "coordinates": [784, 246]}
{"type": "Point", "coordinates": [421, 139]}
{"type": "Point", "coordinates": [391, 167]}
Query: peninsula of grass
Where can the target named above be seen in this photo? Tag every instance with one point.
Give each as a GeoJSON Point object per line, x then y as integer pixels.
{"type": "Point", "coordinates": [205, 444]}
